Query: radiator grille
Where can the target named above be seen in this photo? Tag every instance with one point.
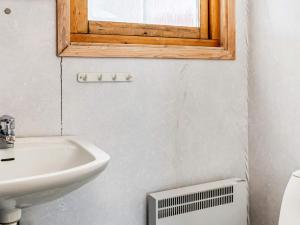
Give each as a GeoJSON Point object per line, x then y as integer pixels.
{"type": "Point", "coordinates": [194, 202]}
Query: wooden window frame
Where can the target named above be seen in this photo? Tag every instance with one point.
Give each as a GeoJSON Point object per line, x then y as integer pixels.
{"type": "Point", "coordinates": [78, 37]}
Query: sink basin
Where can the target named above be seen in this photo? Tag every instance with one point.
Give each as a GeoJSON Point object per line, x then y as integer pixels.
{"type": "Point", "coordinates": [42, 169]}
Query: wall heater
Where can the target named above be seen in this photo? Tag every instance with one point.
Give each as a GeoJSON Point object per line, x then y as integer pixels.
{"type": "Point", "coordinates": [217, 203]}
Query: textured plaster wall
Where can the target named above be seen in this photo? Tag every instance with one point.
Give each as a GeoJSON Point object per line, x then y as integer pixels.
{"type": "Point", "coordinates": [180, 122]}
{"type": "Point", "coordinates": [274, 104]}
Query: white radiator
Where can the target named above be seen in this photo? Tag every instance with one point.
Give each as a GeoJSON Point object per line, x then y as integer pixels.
{"type": "Point", "coordinates": [217, 203]}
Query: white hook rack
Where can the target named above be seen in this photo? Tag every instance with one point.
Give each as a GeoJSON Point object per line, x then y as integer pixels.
{"type": "Point", "coordinates": [104, 77]}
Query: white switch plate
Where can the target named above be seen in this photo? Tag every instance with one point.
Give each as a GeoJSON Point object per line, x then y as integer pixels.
{"type": "Point", "coordinates": [104, 77]}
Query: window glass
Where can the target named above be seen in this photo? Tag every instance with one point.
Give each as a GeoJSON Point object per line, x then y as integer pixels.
{"type": "Point", "coordinates": [162, 12]}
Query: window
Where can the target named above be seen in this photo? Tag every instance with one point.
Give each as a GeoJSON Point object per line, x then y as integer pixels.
{"type": "Point", "coordinates": [146, 28]}
{"type": "Point", "coordinates": [159, 12]}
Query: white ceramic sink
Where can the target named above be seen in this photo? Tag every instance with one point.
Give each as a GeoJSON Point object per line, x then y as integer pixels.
{"type": "Point", "coordinates": [38, 170]}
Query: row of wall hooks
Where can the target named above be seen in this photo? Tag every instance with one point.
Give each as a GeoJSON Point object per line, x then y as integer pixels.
{"type": "Point", "coordinates": [104, 77]}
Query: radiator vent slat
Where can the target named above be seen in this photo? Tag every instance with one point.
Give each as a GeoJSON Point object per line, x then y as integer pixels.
{"type": "Point", "coordinates": [193, 202]}
{"type": "Point", "coordinates": [163, 213]}
{"type": "Point", "coordinates": [194, 197]}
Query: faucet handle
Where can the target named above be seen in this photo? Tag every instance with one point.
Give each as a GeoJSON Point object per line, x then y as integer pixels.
{"type": "Point", "coordinates": [6, 118]}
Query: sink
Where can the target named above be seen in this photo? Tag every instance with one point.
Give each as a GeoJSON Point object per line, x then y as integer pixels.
{"type": "Point", "coordinates": [38, 170]}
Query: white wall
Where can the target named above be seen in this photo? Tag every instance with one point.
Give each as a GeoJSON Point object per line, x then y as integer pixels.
{"type": "Point", "coordinates": [274, 104]}
{"type": "Point", "coordinates": [180, 122]}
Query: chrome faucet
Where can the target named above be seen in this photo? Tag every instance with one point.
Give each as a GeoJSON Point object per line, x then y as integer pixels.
{"type": "Point", "coordinates": [7, 132]}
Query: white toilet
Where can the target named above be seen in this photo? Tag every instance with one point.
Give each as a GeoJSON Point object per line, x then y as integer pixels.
{"type": "Point", "coordinates": [290, 207]}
